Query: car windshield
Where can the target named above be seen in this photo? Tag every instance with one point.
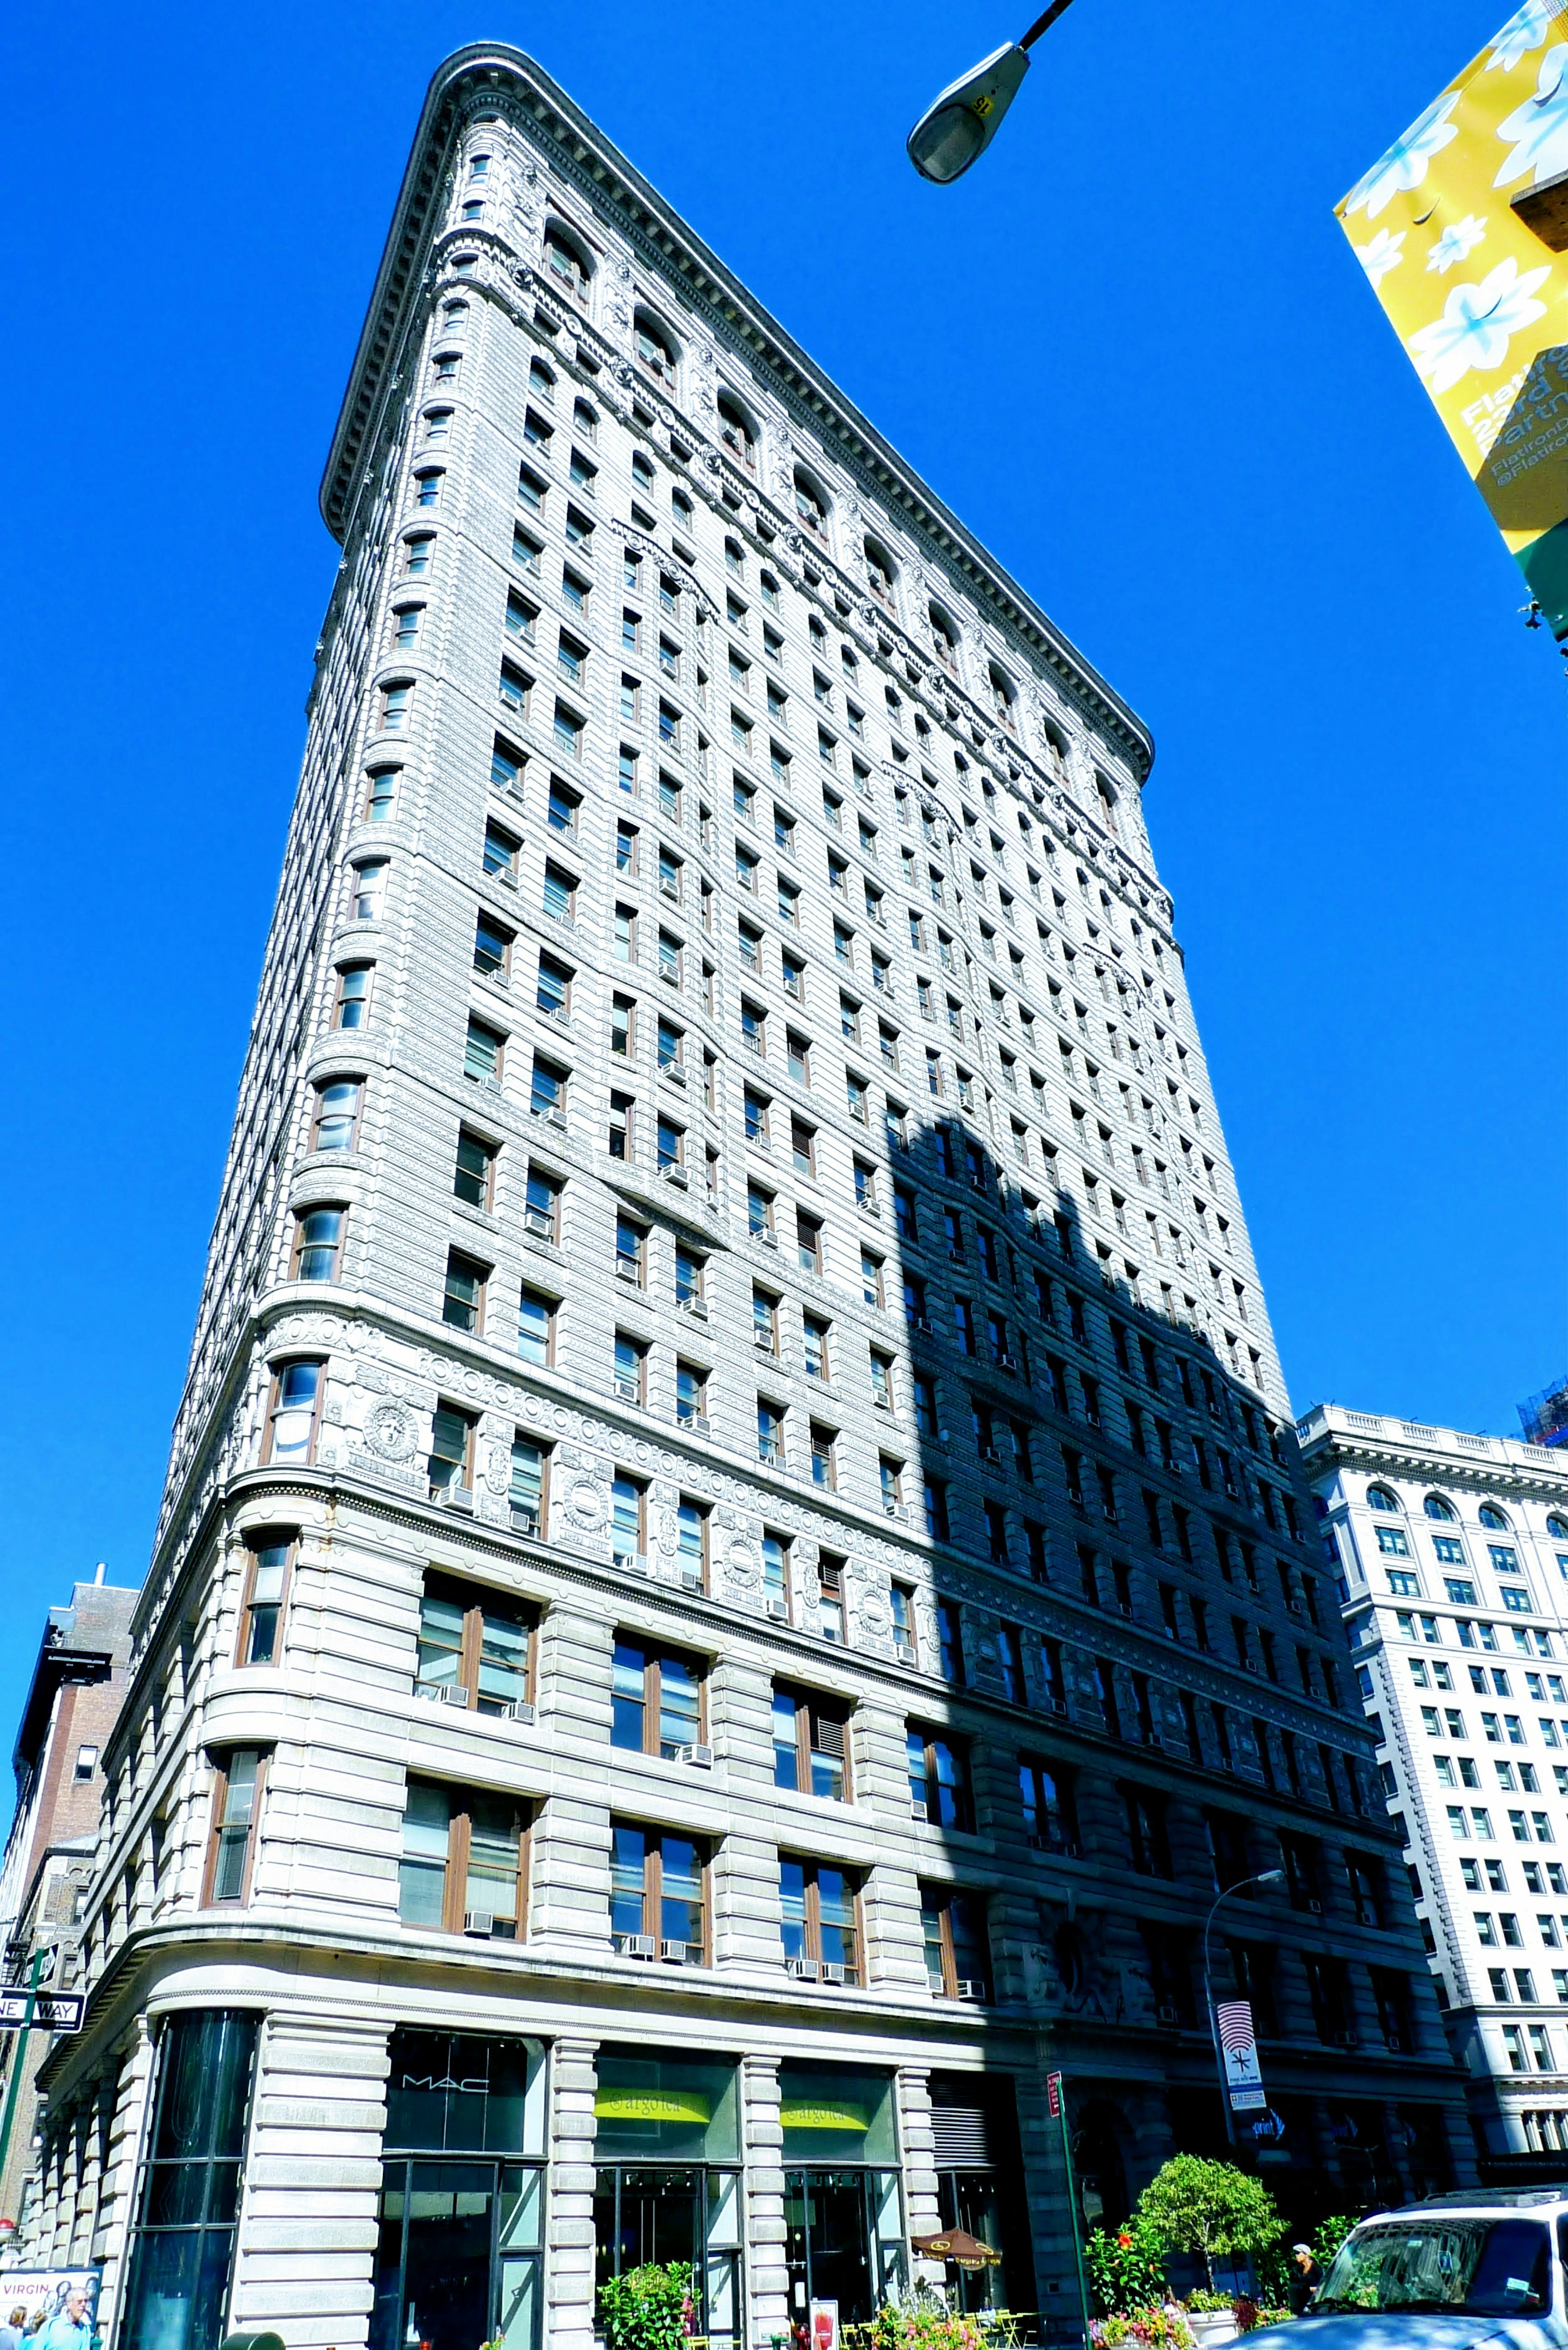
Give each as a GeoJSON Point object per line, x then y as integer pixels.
{"type": "Point", "coordinates": [1491, 2268]}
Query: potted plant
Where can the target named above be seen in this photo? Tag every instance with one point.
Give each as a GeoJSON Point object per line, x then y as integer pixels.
{"type": "Point", "coordinates": [1196, 2205]}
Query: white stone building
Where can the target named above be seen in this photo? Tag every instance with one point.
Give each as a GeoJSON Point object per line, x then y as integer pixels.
{"type": "Point", "coordinates": [735, 1571]}
{"type": "Point", "coordinates": [1453, 1551]}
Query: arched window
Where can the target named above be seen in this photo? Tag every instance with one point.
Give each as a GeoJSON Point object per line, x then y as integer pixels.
{"type": "Point", "coordinates": [567, 262]}
{"type": "Point", "coordinates": [1494, 1521]}
{"type": "Point", "coordinates": [736, 431]}
{"type": "Point", "coordinates": [1378, 1497]}
{"type": "Point", "coordinates": [880, 570]}
{"type": "Point", "coordinates": [654, 347]}
{"type": "Point", "coordinates": [1435, 1507]}
{"type": "Point", "coordinates": [1107, 804]}
{"type": "Point", "coordinates": [1000, 693]}
{"type": "Point", "coordinates": [1558, 1529]}
{"type": "Point", "coordinates": [454, 317]}
{"type": "Point", "coordinates": [810, 502]}
{"type": "Point", "coordinates": [944, 636]}
{"type": "Point", "coordinates": [587, 419]}
{"type": "Point", "coordinates": [540, 379]}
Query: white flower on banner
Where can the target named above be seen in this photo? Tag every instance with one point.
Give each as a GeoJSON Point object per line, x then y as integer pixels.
{"type": "Point", "coordinates": [1382, 254]}
{"type": "Point", "coordinates": [1456, 242]}
{"type": "Point", "coordinates": [1538, 131]}
{"type": "Point", "coordinates": [1525, 31]}
{"type": "Point", "coordinates": [1476, 324]}
{"type": "Point", "coordinates": [1405, 165]}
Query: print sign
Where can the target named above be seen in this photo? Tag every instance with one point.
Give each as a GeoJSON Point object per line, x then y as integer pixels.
{"type": "Point", "coordinates": [1238, 2047]}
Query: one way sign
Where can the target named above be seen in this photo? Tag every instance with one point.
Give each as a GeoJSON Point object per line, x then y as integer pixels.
{"type": "Point", "coordinates": [53, 2010]}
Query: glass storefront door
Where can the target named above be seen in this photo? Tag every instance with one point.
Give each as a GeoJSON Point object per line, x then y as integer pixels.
{"type": "Point", "coordinates": [667, 2184]}
{"type": "Point", "coordinates": [843, 2209]}
{"type": "Point", "coordinates": [461, 2242]}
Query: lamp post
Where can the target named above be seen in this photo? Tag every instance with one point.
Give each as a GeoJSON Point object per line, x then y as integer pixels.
{"type": "Point", "coordinates": [958, 126]}
{"type": "Point", "coordinates": [1267, 1877]}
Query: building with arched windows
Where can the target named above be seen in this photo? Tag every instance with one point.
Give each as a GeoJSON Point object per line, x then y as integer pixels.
{"type": "Point", "coordinates": [735, 1578]}
{"type": "Point", "coordinates": [1451, 1553]}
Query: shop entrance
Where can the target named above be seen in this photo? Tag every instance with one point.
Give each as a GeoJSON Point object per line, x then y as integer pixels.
{"type": "Point", "coordinates": [666, 2178]}
{"type": "Point", "coordinates": [844, 2227]}
{"type": "Point", "coordinates": [461, 2242]}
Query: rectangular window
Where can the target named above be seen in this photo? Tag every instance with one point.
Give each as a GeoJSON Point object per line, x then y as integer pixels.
{"type": "Point", "coordinates": [658, 1894]}
{"type": "Point", "coordinates": [292, 1410]}
{"type": "Point", "coordinates": [938, 1768]}
{"type": "Point", "coordinates": [536, 1328]}
{"type": "Point", "coordinates": [475, 1648]}
{"type": "Point", "coordinates": [463, 1869]}
{"type": "Point", "coordinates": [818, 1918]}
{"type": "Point", "coordinates": [236, 1803]}
{"type": "Point", "coordinates": [656, 1701]}
{"type": "Point", "coordinates": [450, 1463]}
{"type": "Point", "coordinates": [1049, 1813]}
{"type": "Point", "coordinates": [462, 1296]}
{"type": "Point", "coordinates": [811, 1746]}
{"type": "Point", "coordinates": [958, 1950]}
{"type": "Point", "coordinates": [270, 1558]}
{"type": "Point", "coordinates": [473, 1177]}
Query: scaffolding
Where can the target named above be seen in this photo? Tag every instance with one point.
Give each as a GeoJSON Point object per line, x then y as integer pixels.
{"type": "Point", "coordinates": [1544, 1417]}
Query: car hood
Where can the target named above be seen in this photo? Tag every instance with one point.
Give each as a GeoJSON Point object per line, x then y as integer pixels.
{"type": "Point", "coordinates": [1423, 2329]}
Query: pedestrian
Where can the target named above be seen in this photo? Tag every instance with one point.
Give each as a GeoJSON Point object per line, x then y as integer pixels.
{"type": "Point", "coordinates": [1303, 2284]}
{"type": "Point", "coordinates": [14, 2329]}
{"type": "Point", "coordinates": [69, 2328]}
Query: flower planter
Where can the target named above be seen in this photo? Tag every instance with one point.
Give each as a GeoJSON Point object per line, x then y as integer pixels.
{"type": "Point", "coordinates": [1211, 2326]}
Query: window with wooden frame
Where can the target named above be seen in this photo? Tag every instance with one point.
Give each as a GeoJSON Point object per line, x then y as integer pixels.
{"type": "Point", "coordinates": [1049, 1808]}
{"type": "Point", "coordinates": [811, 1744]}
{"type": "Point", "coordinates": [463, 1293]}
{"type": "Point", "coordinates": [659, 1895]}
{"type": "Point", "coordinates": [819, 1919]}
{"type": "Point", "coordinates": [239, 1776]}
{"type": "Point", "coordinates": [294, 1409]}
{"type": "Point", "coordinates": [958, 1948]}
{"type": "Point", "coordinates": [451, 1461]}
{"type": "Point", "coordinates": [657, 1699]}
{"type": "Point", "coordinates": [476, 1647]}
{"type": "Point", "coordinates": [317, 1250]}
{"type": "Point", "coordinates": [464, 1868]}
{"type": "Point", "coordinates": [352, 1001]}
{"type": "Point", "coordinates": [335, 1125]}
{"type": "Point", "coordinates": [473, 1177]}
{"type": "Point", "coordinates": [939, 1779]}
{"type": "Point", "coordinates": [269, 1566]}
{"type": "Point", "coordinates": [1147, 1833]}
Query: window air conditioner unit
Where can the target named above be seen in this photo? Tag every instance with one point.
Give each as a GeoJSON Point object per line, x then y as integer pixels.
{"type": "Point", "coordinates": [670, 978]}
{"type": "Point", "coordinates": [1152, 1738]}
{"type": "Point", "coordinates": [627, 1392]}
{"type": "Point", "coordinates": [969, 1987]}
{"type": "Point", "coordinates": [674, 1072]}
{"type": "Point", "coordinates": [676, 1954]}
{"type": "Point", "coordinates": [635, 1562]}
{"type": "Point", "coordinates": [1165, 2014]}
{"type": "Point", "coordinates": [556, 1118]}
{"type": "Point", "coordinates": [904, 1651]}
{"type": "Point", "coordinates": [1058, 1705]}
{"type": "Point", "coordinates": [626, 1270]}
{"type": "Point", "coordinates": [918, 1322]}
{"type": "Point", "coordinates": [937, 1985]}
{"type": "Point", "coordinates": [779, 1610]}
{"type": "Point", "coordinates": [700, 1757]}
{"type": "Point", "coordinates": [695, 1305]}
{"type": "Point", "coordinates": [454, 1497]}
{"type": "Point", "coordinates": [1315, 1909]}
{"type": "Point", "coordinates": [830, 1973]}
{"type": "Point", "coordinates": [988, 1452]}
{"type": "Point", "coordinates": [919, 1811]}
{"type": "Point", "coordinates": [1293, 1606]}
{"type": "Point", "coordinates": [443, 1692]}
{"type": "Point", "coordinates": [525, 1518]}
{"type": "Point", "coordinates": [1007, 1363]}
{"type": "Point", "coordinates": [690, 1578]}
{"type": "Point", "coordinates": [868, 1207]}
{"type": "Point", "coordinates": [1125, 1606]}
{"type": "Point", "coordinates": [701, 1424]}
{"type": "Point", "coordinates": [517, 1709]}
{"type": "Point", "coordinates": [639, 1946]}
{"type": "Point", "coordinates": [669, 890]}
{"type": "Point", "coordinates": [537, 1222]}
{"type": "Point", "coordinates": [478, 1921]}
{"type": "Point", "coordinates": [675, 1175]}
{"type": "Point", "coordinates": [803, 1969]}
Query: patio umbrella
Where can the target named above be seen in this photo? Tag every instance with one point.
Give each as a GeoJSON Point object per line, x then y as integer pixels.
{"type": "Point", "coordinates": [957, 2245]}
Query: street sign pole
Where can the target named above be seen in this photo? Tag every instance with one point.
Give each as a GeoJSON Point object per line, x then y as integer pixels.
{"type": "Point", "coordinates": [19, 2056]}
{"type": "Point", "coordinates": [1057, 2096]}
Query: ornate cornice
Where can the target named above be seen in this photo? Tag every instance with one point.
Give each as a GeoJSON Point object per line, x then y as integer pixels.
{"type": "Point", "coordinates": [497, 73]}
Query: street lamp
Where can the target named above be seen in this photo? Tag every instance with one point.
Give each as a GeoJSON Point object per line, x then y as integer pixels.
{"type": "Point", "coordinates": [1267, 1877]}
{"type": "Point", "coordinates": [960, 124]}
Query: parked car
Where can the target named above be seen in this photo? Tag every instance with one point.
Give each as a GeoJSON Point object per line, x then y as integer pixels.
{"type": "Point", "coordinates": [1454, 2274]}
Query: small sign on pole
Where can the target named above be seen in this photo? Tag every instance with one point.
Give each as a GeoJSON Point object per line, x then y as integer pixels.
{"type": "Point", "coordinates": [1053, 2094]}
{"type": "Point", "coordinates": [52, 2010]}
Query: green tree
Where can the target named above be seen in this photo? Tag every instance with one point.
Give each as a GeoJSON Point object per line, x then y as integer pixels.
{"type": "Point", "coordinates": [646, 2308]}
{"type": "Point", "coordinates": [1210, 2207]}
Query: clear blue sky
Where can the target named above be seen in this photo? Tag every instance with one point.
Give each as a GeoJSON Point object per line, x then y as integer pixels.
{"type": "Point", "coordinates": [1132, 351]}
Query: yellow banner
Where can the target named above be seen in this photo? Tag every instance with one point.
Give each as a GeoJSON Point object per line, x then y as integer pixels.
{"type": "Point", "coordinates": [1462, 233]}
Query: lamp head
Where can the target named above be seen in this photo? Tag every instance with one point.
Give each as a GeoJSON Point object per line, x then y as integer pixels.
{"type": "Point", "coordinates": [1273, 1877]}
{"type": "Point", "coordinates": [958, 126]}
